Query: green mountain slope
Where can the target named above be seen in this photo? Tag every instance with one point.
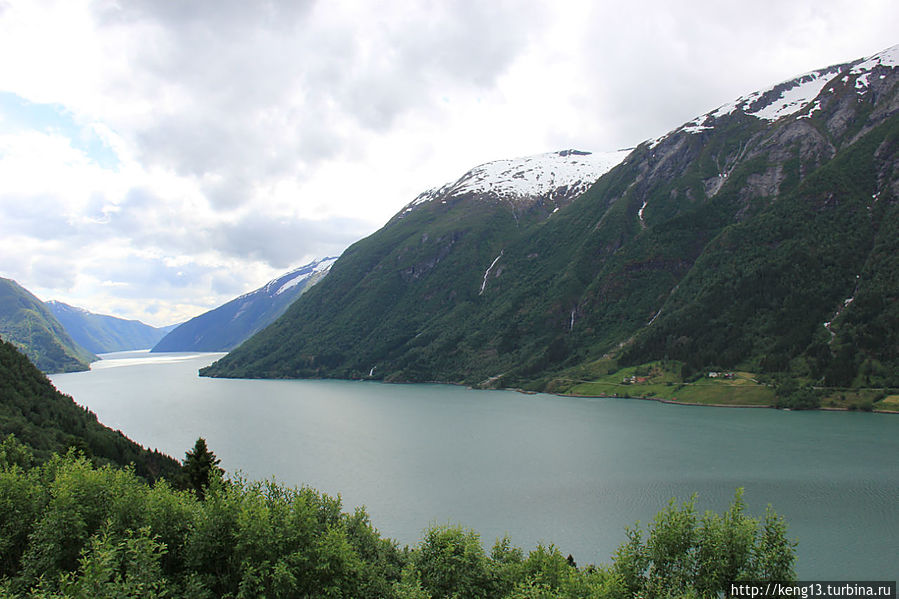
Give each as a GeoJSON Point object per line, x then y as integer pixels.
{"type": "Point", "coordinates": [729, 242]}
{"type": "Point", "coordinates": [100, 333]}
{"type": "Point", "coordinates": [27, 323]}
{"type": "Point", "coordinates": [47, 421]}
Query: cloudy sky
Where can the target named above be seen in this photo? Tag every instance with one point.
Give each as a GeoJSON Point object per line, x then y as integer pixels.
{"type": "Point", "coordinates": [160, 158]}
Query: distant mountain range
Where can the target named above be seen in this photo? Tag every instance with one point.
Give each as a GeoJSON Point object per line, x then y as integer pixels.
{"type": "Point", "coordinates": [57, 337]}
{"type": "Point", "coordinates": [61, 338]}
{"type": "Point", "coordinates": [230, 324]}
{"type": "Point", "coordinates": [763, 235]}
{"type": "Point", "coordinates": [99, 333]}
{"type": "Point", "coordinates": [27, 323]}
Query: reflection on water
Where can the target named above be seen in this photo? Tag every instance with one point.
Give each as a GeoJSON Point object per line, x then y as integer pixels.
{"type": "Point", "coordinates": [143, 357]}
{"type": "Point", "coordinates": [541, 468]}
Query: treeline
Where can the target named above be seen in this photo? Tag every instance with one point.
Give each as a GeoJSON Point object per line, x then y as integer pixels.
{"type": "Point", "coordinates": [49, 422]}
{"type": "Point", "coordinates": [71, 529]}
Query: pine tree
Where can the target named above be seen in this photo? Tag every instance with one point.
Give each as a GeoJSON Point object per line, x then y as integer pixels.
{"type": "Point", "coordinates": [200, 465]}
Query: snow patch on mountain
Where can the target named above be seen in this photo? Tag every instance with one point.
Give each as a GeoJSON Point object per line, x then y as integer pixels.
{"type": "Point", "coordinates": [887, 58]}
{"type": "Point", "coordinates": [793, 99]}
{"type": "Point", "coordinates": [303, 273]}
{"type": "Point", "coordinates": [567, 173]}
{"type": "Point", "coordinates": [812, 110]}
{"type": "Point", "coordinates": [796, 95]}
{"type": "Point", "coordinates": [62, 307]}
{"type": "Point", "coordinates": [539, 175]}
{"type": "Point", "coordinates": [792, 96]}
{"type": "Point", "coordinates": [861, 83]}
{"type": "Point", "coordinates": [291, 279]}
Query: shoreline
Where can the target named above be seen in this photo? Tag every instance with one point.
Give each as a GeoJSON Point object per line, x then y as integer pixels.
{"type": "Point", "coordinates": [574, 395]}
{"type": "Point", "coordinates": [672, 401]}
{"type": "Point", "coordinates": [714, 405]}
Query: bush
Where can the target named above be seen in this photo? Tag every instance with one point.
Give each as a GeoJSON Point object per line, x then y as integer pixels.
{"type": "Point", "coordinates": [71, 529]}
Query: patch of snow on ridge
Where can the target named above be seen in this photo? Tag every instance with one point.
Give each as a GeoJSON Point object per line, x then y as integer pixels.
{"type": "Point", "coordinates": [536, 175]}
{"type": "Point", "coordinates": [654, 142]}
{"type": "Point", "coordinates": [696, 125]}
{"type": "Point", "coordinates": [291, 279]}
{"type": "Point", "coordinates": [815, 107]}
{"type": "Point", "coordinates": [726, 109]}
{"type": "Point", "coordinates": [304, 273]}
{"type": "Point", "coordinates": [799, 94]}
{"type": "Point", "coordinates": [427, 196]}
{"type": "Point", "coordinates": [539, 175]}
{"type": "Point", "coordinates": [887, 58]}
{"type": "Point", "coordinates": [795, 98]}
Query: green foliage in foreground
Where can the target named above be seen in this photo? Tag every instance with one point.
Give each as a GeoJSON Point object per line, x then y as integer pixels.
{"type": "Point", "coordinates": [71, 529]}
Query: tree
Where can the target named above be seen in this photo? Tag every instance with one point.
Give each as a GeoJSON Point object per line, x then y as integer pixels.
{"type": "Point", "coordinates": [685, 554]}
{"type": "Point", "coordinates": [200, 466]}
{"type": "Point", "coordinates": [452, 563]}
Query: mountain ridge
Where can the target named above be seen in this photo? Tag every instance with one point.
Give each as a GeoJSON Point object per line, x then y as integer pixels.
{"type": "Point", "coordinates": [228, 325]}
{"type": "Point", "coordinates": [554, 176]}
{"type": "Point", "coordinates": [102, 333]}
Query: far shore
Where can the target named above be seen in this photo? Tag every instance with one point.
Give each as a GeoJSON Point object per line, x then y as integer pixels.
{"type": "Point", "coordinates": [718, 405]}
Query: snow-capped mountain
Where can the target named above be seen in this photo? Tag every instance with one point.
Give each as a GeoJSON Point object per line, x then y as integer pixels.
{"type": "Point", "coordinates": [232, 323]}
{"type": "Point", "coordinates": [556, 177]}
{"type": "Point", "coordinates": [799, 96]}
{"type": "Point", "coordinates": [724, 244]}
{"type": "Point", "coordinates": [286, 282]}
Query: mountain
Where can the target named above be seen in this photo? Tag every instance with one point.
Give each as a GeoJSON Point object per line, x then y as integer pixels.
{"type": "Point", "coordinates": [46, 421]}
{"type": "Point", "coordinates": [230, 324]}
{"type": "Point", "coordinates": [763, 235]}
{"type": "Point", "coordinates": [99, 333]}
{"type": "Point", "coordinates": [28, 324]}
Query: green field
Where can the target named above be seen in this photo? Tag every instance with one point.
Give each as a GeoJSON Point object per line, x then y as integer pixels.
{"type": "Point", "coordinates": [664, 381]}
{"type": "Point", "coordinates": [889, 403]}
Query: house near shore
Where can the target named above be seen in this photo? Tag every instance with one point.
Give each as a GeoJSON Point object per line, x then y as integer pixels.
{"type": "Point", "coordinates": [721, 375]}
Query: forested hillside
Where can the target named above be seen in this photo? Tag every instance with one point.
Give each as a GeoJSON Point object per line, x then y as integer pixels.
{"type": "Point", "coordinates": [26, 322]}
{"type": "Point", "coordinates": [46, 421]}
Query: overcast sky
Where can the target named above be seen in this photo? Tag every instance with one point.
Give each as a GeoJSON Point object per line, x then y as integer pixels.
{"type": "Point", "coordinates": [160, 158]}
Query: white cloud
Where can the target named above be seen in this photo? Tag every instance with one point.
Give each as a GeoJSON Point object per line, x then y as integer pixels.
{"type": "Point", "coordinates": [199, 149]}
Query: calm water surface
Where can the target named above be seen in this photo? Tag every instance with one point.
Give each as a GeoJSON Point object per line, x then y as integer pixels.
{"type": "Point", "coordinates": [573, 472]}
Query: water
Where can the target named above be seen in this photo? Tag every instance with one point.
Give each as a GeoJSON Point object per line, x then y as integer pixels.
{"type": "Point", "coordinates": [540, 468]}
